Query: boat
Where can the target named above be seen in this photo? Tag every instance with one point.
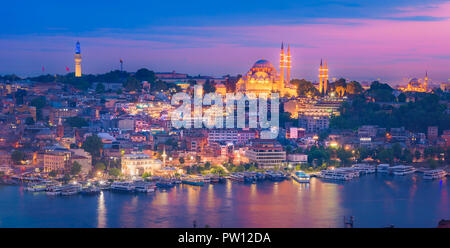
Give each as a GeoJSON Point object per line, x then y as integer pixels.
{"type": "Point", "coordinates": [213, 178]}
{"type": "Point", "coordinates": [383, 168]}
{"type": "Point", "coordinates": [340, 174]}
{"type": "Point", "coordinates": [434, 174]}
{"type": "Point", "coordinates": [54, 190]}
{"type": "Point", "coordinates": [36, 187]}
{"type": "Point", "coordinates": [144, 187]}
{"type": "Point", "coordinates": [193, 180]}
{"type": "Point", "coordinates": [249, 177]}
{"type": "Point", "coordinates": [90, 190]}
{"type": "Point", "coordinates": [70, 189]}
{"type": "Point", "coordinates": [301, 177]}
{"type": "Point", "coordinates": [165, 183]}
{"type": "Point", "coordinates": [275, 176]}
{"type": "Point", "coordinates": [123, 186]}
{"type": "Point", "coordinates": [364, 168]}
{"type": "Point", "coordinates": [402, 170]}
{"type": "Point", "coordinates": [237, 177]}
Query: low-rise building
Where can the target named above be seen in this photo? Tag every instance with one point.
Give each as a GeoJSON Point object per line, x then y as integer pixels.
{"type": "Point", "coordinates": [266, 154]}
{"type": "Point", "coordinates": [138, 164]}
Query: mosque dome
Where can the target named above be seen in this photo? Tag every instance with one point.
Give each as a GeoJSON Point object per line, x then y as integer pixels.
{"type": "Point", "coordinates": [262, 63]}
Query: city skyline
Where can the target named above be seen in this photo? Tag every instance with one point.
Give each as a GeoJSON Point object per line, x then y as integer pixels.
{"type": "Point", "coordinates": [360, 41]}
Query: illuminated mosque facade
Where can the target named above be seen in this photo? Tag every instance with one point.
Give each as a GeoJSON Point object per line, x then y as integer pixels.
{"type": "Point", "coordinates": [264, 78]}
{"type": "Point", "coordinates": [415, 85]}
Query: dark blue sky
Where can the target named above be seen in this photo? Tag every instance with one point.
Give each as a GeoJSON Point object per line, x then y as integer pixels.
{"type": "Point", "coordinates": [234, 34]}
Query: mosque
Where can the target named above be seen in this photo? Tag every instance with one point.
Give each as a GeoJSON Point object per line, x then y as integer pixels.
{"type": "Point", "coordinates": [264, 78]}
{"type": "Point", "coordinates": [415, 85]}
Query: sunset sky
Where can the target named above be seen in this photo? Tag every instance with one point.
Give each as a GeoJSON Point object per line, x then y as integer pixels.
{"type": "Point", "coordinates": [361, 40]}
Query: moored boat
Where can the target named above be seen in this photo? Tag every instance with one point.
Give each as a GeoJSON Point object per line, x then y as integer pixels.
{"type": "Point", "coordinates": [301, 177]}
{"type": "Point", "coordinates": [123, 186]}
{"type": "Point", "coordinates": [144, 187]}
{"type": "Point", "coordinates": [402, 170]}
{"type": "Point", "coordinates": [193, 180]}
{"type": "Point", "coordinates": [434, 174]}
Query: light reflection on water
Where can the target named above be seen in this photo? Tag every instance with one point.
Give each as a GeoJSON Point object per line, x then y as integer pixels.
{"type": "Point", "coordinates": [374, 200]}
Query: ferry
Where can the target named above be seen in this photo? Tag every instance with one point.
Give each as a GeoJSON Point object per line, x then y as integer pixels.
{"type": "Point", "coordinates": [340, 174]}
{"type": "Point", "coordinates": [144, 187]}
{"type": "Point", "coordinates": [36, 187]}
{"type": "Point", "coordinates": [165, 183]}
{"type": "Point", "coordinates": [383, 168]}
{"type": "Point", "coordinates": [238, 177]}
{"type": "Point", "coordinates": [213, 178]}
{"type": "Point", "coordinates": [364, 168]}
{"type": "Point", "coordinates": [249, 177]}
{"type": "Point", "coordinates": [402, 170]}
{"type": "Point", "coordinates": [123, 186]}
{"type": "Point", "coordinates": [434, 174]}
{"type": "Point", "coordinates": [54, 190]}
{"type": "Point", "coordinates": [275, 176]}
{"type": "Point", "coordinates": [301, 177]}
{"type": "Point", "coordinates": [193, 180]}
{"type": "Point", "coordinates": [90, 190]}
{"type": "Point", "coordinates": [70, 189]}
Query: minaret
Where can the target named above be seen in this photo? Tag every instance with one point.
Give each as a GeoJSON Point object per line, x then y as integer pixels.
{"type": "Point", "coordinates": [425, 84]}
{"type": "Point", "coordinates": [288, 65]}
{"type": "Point", "coordinates": [321, 77]}
{"type": "Point", "coordinates": [164, 156]}
{"type": "Point", "coordinates": [77, 60]}
{"type": "Point", "coordinates": [60, 129]}
{"type": "Point", "coordinates": [325, 78]}
{"type": "Point", "coordinates": [282, 60]}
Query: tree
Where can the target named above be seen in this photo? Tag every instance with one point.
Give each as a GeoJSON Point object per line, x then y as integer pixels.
{"type": "Point", "coordinates": [417, 155]}
{"type": "Point", "coordinates": [305, 88]}
{"type": "Point", "coordinates": [29, 121]}
{"type": "Point", "coordinates": [17, 156]}
{"type": "Point", "coordinates": [145, 74]}
{"type": "Point", "coordinates": [93, 144]}
{"type": "Point", "coordinates": [401, 97]}
{"type": "Point", "coordinates": [354, 88]}
{"type": "Point", "coordinates": [52, 173]}
{"type": "Point", "coordinates": [340, 87]}
{"type": "Point", "coordinates": [66, 178]}
{"type": "Point", "coordinates": [385, 155]}
{"type": "Point", "coordinates": [344, 155]}
{"type": "Point", "coordinates": [76, 168]}
{"type": "Point", "coordinates": [39, 102]}
{"type": "Point", "coordinates": [209, 87]}
{"type": "Point", "coordinates": [100, 88]}
{"type": "Point", "coordinates": [99, 166]}
{"type": "Point", "coordinates": [159, 86]}
{"type": "Point", "coordinates": [115, 172]}
{"type": "Point", "coordinates": [132, 84]}
{"type": "Point", "coordinates": [381, 92]}
{"type": "Point", "coordinates": [146, 174]}
{"type": "Point", "coordinates": [76, 121]}
{"type": "Point", "coordinates": [207, 165]}
{"type": "Point", "coordinates": [397, 151]}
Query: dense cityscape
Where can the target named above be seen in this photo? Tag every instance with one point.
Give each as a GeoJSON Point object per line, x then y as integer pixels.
{"type": "Point", "coordinates": [145, 147]}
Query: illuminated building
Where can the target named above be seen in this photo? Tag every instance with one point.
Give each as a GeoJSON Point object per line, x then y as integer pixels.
{"type": "Point", "coordinates": [323, 78]}
{"type": "Point", "coordinates": [78, 60]}
{"type": "Point", "coordinates": [266, 154]}
{"type": "Point", "coordinates": [415, 85]}
{"type": "Point", "coordinates": [313, 122]}
{"type": "Point", "coordinates": [56, 161]}
{"type": "Point", "coordinates": [138, 164]}
{"type": "Point", "coordinates": [264, 78]}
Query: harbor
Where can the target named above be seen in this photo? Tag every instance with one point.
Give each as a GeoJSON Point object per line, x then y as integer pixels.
{"type": "Point", "coordinates": [35, 184]}
{"type": "Point", "coordinates": [383, 200]}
